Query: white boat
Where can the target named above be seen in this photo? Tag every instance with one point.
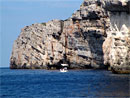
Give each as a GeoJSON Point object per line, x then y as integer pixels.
{"type": "Point", "coordinates": [64, 68]}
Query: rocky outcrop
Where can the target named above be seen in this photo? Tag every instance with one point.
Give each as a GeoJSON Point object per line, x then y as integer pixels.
{"type": "Point", "coordinates": [37, 45]}
{"type": "Point", "coordinates": [117, 50]}
{"type": "Point", "coordinates": [78, 39]}
{"type": "Point", "coordinates": [116, 47]}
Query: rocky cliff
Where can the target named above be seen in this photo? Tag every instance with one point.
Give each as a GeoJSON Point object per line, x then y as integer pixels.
{"type": "Point", "coordinates": [116, 46]}
{"type": "Point", "coordinates": [77, 40]}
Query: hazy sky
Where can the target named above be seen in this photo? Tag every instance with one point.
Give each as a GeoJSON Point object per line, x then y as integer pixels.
{"type": "Point", "coordinates": [15, 14]}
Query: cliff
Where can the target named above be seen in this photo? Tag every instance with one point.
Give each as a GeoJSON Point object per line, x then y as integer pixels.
{"type": "Point", "coordinates": [116, 46]}
{"type": "Point", "coordinates": [78, 39]}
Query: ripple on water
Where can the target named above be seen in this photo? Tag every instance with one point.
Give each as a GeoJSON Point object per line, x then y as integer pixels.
{"type": "Point", "coordinates": [53, 84]}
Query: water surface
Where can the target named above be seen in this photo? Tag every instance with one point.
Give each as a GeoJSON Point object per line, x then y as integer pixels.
{"type": "Point", "coordinates": [54, 84]}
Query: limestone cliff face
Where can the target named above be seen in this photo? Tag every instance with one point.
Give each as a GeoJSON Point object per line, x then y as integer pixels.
{"type": "Point", "coordinates": [78, 39]}
{"type": "Point", "coordinates": [117, 50]}
{"type": "Point", "coordinates": [116, 47]}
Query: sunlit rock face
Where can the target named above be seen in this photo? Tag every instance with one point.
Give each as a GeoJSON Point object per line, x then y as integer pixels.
{"type": "Point", "coordinates": [117, 50]}
{"type": "Point", "coordinates": [77, 40]}
{"type": "Point", "coordinates": [116, 47]}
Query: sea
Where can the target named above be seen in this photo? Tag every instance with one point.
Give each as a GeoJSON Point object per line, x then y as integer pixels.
{"type": "Point", "coordinates": [25, 83]}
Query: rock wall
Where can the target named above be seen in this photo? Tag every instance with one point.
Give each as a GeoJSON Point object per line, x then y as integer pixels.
{"type": "Point", "coordinates": [117, 50]}
{"type": "Point", "coordinates": [33, 48]}
{"type": "Point", "coordinates": [120, 18]}
{"type": "Point", "coordinates": [116, 47]}
{"type": "Point", "coordinates": [78, 39]}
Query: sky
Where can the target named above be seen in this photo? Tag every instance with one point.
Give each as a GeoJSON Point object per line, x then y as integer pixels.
{"type": "Point", "coordinates": [16, 14]}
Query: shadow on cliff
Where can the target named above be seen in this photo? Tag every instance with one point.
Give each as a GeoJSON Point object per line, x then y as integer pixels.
{"type": "Point", "coordinates": [95, 41]}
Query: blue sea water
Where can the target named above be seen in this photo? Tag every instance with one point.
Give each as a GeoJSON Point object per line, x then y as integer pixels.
{"type": "Point", "coordinates": [54, 84]}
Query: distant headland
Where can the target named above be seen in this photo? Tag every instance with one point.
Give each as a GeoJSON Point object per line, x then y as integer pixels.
{"type": "Point", "coordinates": [95, 36]}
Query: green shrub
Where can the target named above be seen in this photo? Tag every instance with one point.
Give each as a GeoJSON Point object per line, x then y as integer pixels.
{"type": "Point", "coordinates": [43, 24]}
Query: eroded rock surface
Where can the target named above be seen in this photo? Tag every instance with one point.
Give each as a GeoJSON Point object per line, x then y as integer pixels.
{"type": "Point", "coordinates": [116, 50]}
{"type": "Point", "coordinates": [43, 45]}
{"type": "Point", "coordinates": [116, 47]}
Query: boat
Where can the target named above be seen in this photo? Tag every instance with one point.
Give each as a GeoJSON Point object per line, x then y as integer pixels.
{"type": "Point", "coordinates": [64, 68]}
